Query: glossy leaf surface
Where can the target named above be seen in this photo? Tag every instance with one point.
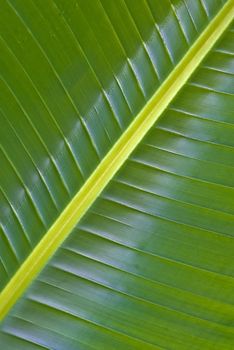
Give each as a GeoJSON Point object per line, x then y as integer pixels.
{"type": "Point", "coordinates": [70, 86]}
{"type": "Point", "coordinates": [150, 266]}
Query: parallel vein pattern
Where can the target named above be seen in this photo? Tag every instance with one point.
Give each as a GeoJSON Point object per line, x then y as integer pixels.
{"type": "Point", "coordinates": [150, 266]}
{"type": "Point", "coordinates": [70, 86]}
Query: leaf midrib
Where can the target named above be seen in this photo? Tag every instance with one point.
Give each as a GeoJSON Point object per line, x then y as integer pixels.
{"type": "Point", "coordinates": [111, 163]}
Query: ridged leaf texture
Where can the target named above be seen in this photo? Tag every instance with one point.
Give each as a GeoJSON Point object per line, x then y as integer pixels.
{"type": "Point", "coordinates": [150, 263]}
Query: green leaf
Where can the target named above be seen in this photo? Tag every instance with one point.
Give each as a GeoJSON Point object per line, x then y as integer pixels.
{"type": "Point", "coordinates": [150, 263]}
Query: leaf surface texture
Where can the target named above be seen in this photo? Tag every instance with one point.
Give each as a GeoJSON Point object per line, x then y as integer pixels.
{"type": "Point", "coordinates": [150, 265]}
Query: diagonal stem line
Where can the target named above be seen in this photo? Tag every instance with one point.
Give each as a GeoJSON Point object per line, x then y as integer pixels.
{"type": "Point", "coordinates": [111, 163]}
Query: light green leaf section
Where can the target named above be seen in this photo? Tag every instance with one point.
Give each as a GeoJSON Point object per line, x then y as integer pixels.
{"type": "Point", "coordinates": [75, 74]}
{"type": "Point", "coordinates": [150, 265]}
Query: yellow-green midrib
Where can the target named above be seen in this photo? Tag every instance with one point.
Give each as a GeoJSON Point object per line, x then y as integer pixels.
{"type": "Point", "coordinates": [114, 159]}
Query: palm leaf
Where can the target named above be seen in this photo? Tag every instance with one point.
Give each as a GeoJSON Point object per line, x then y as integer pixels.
{"type": "Point", "coordinates": [146, 207]}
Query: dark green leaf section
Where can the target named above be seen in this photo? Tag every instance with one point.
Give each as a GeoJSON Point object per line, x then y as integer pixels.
{"type": "Point", "coordinates": [151, 264]}
{"type": "Point", "coordinates": [74, 75]}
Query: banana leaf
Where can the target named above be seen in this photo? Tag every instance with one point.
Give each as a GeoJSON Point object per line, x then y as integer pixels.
{"type": "Point", "coordinates": [117, 174]}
